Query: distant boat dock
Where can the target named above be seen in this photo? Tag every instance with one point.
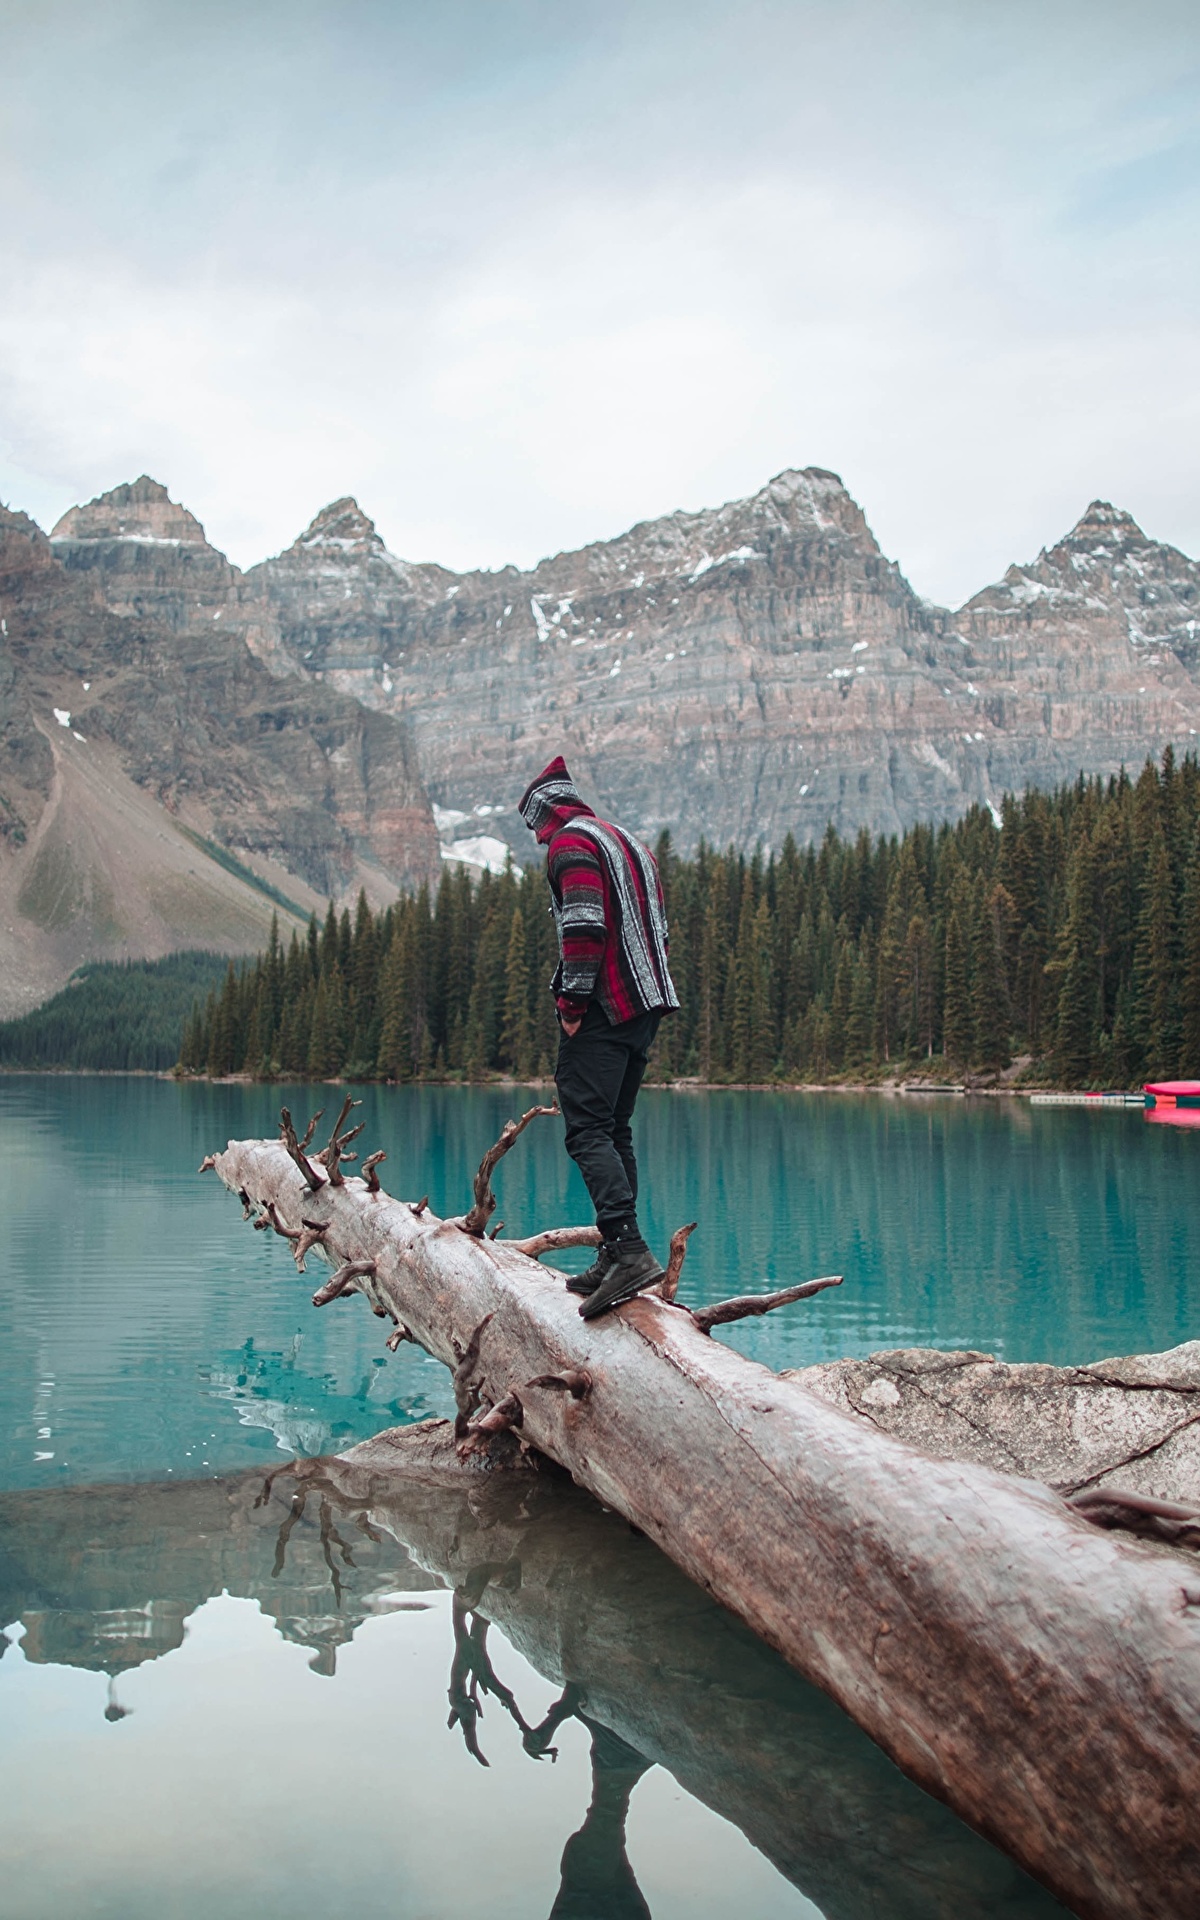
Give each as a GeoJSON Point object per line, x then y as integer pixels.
{"type": "Point", "coordinates": [1175, 1103]}
{"type": "Point", "coordinates": [1087, 1100]}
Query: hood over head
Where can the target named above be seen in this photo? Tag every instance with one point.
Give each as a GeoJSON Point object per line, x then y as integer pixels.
{"type": "Point", "coordinates": [550, 801]}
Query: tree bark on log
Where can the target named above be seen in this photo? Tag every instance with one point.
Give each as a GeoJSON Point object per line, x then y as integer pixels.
{"type": "Point", "coordinates": [1040, 1676]}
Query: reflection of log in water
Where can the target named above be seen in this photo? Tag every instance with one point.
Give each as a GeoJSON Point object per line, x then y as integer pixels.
{"type": "Point", "coordinates": [642, 1655]}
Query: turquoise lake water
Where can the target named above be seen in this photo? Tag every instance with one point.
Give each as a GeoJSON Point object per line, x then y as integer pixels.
{"type": "Point", "coordinates": [146, 1332]}
{"type": "Point", "coordinates": [194, 1683]}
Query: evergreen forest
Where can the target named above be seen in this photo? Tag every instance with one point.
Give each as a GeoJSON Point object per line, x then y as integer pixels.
{"type": "Point", "coordinates": [1064, 939]}
{"type": "Point", "coordinates": [116, 1016]}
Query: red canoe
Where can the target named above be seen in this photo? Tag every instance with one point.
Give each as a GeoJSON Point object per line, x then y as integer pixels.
{"type": "Point", "coordinates": [1173, 1093]}
{"type": "Point", "coordinates": [1175, 1103]}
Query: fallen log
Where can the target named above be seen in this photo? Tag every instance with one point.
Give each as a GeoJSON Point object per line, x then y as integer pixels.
{"type": "Point", "coordinates": [1038, 1674]}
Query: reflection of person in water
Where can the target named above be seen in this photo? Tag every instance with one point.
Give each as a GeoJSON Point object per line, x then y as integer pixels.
{"type": "Point", "coordinates": [597, 1879]}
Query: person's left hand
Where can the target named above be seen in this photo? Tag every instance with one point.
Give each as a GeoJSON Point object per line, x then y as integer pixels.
{"type": "Point", "coordinates": [571, 1027]}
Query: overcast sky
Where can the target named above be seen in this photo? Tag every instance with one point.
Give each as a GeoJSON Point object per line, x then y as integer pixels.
{"type": "Point", "coordinates": [518, 273]}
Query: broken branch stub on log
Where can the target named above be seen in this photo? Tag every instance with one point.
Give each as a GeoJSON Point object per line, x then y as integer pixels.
{"type": "Point", "coordinates": [1039, 1674]}
{"type": "Point", "coordinates": [1165, 1520]}
{"type": "Point", "coordinates": [746, 1305]}
{"type": "Point", "coordinates": [338, 1282]}
{"type": "Point", "coordinates": [476, 1220]}
{"type": "Point", "coordinates": [668, 1286]}
{"type": "Point", "coordinates": [312, 1179]}
{"type": "Point", "coordinates": [369, 1173]}
{"type": "Point", "coordinates": [334, 1150]}
{"type": "Point", "coordinates": [555, 1240]}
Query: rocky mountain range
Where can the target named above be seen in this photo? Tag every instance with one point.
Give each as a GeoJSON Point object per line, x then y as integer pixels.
{"type": "Point", "coordinates": [750, 671]}
{"type": "Point", "coordinates": [183, 745]}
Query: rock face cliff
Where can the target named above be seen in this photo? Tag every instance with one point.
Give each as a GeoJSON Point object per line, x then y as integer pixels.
{"type": "Point", "coordinates": [751, 670]}
{"type": "Point", "coordinates": [159, 787]}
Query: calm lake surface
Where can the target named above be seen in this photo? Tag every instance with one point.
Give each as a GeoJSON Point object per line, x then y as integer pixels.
{"type": "Point", "coordinates": [233, 1709]}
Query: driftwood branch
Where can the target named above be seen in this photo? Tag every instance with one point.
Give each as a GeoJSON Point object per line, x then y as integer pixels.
{"type": "Point", "coordinates": [556, 1240]}
{"type": "Point", "coordinates": [1138, 1513]}
{"type": "Point", "coordinates": [745, 1306]}
{"type": "Point", "coordinates": [334, 1151]}
{"type": "Point", "coordinates": [310, 1129]}
{"type": "Point", "coordinates": [668, 1286]}
{"type": "Point", "coordinates": [485, 1200]}
{"type": "Point", "coordinates": [417, 1207]}
{"type": "Point", "coordinates": [372, 1161]}
{"type": "Point", "coordinates": [311, 1234]}
{"type": "Point", "coordinates": [269, 1218]}
{"type": "Point", "coordinates": [506, 1415]}
{"type": "Point", "coordinates": [466, 1385]}
{"type": "Point", "coordinates": [287, 1133]}
{"type": "Point", "coordinates": [338, 1282]}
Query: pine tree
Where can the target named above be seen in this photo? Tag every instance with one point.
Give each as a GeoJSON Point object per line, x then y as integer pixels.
{"type": "Point", "coordinates": [1076, 1017]}
{"type": "Point", "coordinates": [989, 985]}
{"type": "Point", "coordinates": [327, 1038]}
{"type": "Point", "coordinates": [861, 1021]}
{"type": "Point", "coordinates": [839, 999]}
{"type": "Point", "coordinates": [329, 941]}
{"type": "Point", "coordinates": [918, 1009]}
{"type": "Point", "coordinates": [1189, 1054]}
{"type": "Point", "coordinates": [1156, 979]}
{"type": "Point", "coordinates": [260, 1042]}
{"type": "Point", "coordinates": [516, 1037]}
{"type": "Point", "coordinates": [222, 1042]}
{"type": "Point", "coordinates": [958, 1025]}
{"type": "Point", "coordinates": [761, 1051]}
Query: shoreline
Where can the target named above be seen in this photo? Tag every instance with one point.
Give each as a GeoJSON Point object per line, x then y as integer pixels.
{"type": "Point", "coordinates": [913, 1087]}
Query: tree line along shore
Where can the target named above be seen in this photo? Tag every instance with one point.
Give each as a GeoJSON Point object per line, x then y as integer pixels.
{"type": "Point", "coordinates": [1068, 933]}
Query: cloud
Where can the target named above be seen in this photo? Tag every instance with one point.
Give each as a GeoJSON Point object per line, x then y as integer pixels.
{"type": "Point", "coordinates": [518, 275]}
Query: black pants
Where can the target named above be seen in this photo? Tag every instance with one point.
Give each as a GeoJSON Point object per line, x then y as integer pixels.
{"type": "Point", "coordinates": [598, 1075]}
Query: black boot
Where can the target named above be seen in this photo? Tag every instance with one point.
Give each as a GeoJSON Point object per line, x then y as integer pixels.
{"type": "Point", "coordinates": [590, 1278]}
{"type": "Point", "coordinates": [633, 1268]}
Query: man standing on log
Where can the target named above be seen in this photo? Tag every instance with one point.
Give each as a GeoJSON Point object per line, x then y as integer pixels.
{"type": "Point", "coordinates": [611, 988]}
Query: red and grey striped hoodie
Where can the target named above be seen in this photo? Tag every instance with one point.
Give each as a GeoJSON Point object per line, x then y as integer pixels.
{"type": "Point", "coordinates": [607, 902]}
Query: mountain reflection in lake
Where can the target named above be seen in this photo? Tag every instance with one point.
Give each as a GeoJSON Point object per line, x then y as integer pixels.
{"type": "Point", "coordinates": [613, 1734]}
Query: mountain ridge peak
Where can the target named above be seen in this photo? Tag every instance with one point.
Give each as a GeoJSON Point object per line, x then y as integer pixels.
{"type": "Point", "coordinates": [136, 510]}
